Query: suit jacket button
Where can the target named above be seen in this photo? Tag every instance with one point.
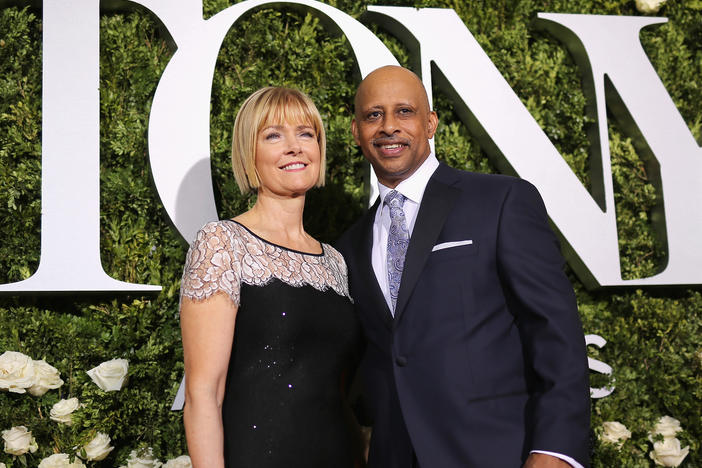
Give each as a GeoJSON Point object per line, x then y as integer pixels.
{"type": "Point", "coordinates": [401, 361]}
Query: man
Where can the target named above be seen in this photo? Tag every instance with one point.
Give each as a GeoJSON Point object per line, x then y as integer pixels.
{"type": "Point", "coordinates": [475, 353]}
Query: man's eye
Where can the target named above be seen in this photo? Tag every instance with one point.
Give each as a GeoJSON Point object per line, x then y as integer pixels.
{"type": "Point", "coordinates": [405, 111]}
{"type": "Point", "coordinates": [373, 115]}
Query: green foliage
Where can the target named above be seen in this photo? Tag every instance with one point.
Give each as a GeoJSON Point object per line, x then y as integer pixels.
{"type": "Point", "coordinates": [654, 336]}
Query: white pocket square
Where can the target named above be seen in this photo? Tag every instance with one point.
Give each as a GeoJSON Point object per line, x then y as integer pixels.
{"type": "Point", "coordinates": [448, 245]}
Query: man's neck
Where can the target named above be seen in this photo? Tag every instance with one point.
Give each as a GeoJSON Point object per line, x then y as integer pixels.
{"type": "Point", "coordinates": [413, 186]}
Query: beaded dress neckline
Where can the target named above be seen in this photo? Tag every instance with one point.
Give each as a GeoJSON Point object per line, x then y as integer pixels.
{"type": "Point", "coordinates": [321, 245]}
{"type": "Point", "coordinates": [226, 254]}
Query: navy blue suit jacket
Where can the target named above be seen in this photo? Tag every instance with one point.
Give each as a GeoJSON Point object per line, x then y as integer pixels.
{"type": "Point", "coordinates": [485, 357]}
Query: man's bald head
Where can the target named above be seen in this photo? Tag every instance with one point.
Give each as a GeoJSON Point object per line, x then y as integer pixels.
{"type": "Point", "coordinates": [393, 123]}
{"type": "Point", "coordinates": [393, 74]}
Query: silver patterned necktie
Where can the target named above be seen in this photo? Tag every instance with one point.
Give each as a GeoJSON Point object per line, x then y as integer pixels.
{"type": "Point", "coordinates": [398, 240]}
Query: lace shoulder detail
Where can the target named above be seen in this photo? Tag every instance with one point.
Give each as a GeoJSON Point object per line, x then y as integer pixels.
{"type": "Point", "coordinates": [226, 253]}
{"type": "Point", "coordinates": [338, 265]}
{"type": "Point", "coordinates": [210, 266]}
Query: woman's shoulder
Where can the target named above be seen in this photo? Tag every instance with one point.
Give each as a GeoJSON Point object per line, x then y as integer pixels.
{"type": "Point", "coordinates": [334, 255]}
{"type": "Point", "coordinates": [223, 229]}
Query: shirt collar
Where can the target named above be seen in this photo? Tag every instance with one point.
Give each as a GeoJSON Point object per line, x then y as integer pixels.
{"type": "Point", "coordinates": [413, 186]}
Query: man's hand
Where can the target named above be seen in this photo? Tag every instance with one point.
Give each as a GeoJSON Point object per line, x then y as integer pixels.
{"type": "Point", "coordinates": [541, 460]}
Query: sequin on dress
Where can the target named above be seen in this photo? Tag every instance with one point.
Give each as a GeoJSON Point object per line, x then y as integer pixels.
{"type": "Point", "coordinates": [296, 344]}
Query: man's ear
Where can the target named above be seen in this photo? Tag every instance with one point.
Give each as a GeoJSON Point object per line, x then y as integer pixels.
{"type": "Point", "coordinates": [354, 131]}
{"type": "Point", "coordinates": [432, 123]}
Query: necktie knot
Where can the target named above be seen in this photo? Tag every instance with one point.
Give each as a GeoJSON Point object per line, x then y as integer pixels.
{"type": "Point", "coordinates": [394, 199]}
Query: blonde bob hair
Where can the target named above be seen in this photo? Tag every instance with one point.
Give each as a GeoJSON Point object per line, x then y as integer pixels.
{"type": "Point", "coordinates": [271, 106]}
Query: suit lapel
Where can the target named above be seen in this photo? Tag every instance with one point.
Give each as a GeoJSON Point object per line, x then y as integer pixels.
{"type": "Point", "coordinates": [369, 281]}
{"type": "Point", "coordinates": [437, 202]}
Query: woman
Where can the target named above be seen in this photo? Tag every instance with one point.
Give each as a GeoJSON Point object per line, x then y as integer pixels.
{"type": "Point", "coordinates": [269, 334]}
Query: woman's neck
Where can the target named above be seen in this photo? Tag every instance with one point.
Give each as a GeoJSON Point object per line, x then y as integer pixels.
{"type": "Point", "coordinates": [279, 220]}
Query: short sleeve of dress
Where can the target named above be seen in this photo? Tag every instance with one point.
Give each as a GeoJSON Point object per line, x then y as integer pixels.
{"type": "Point", "coordinates": [338, 271]}
{"type": "Point", "coordinates": [210, 266]}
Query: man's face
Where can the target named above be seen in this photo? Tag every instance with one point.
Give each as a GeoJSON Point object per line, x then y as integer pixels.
{"type": "Point", "coordinates": [393, 123]}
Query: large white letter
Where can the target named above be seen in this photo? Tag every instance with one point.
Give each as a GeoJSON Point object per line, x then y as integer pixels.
{"type": "Point", "coordinates": [610, 46]}
{"type": "Point", "coordinates": [179, 135]}
{"type": "Point", "coordinates": [70, 184]}
{"type": "Point", "coordinates": [492, 110]}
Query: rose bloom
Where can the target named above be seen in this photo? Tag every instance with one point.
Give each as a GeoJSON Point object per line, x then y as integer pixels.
{"type": "Point", "coordinates": [98, 448]}
{"type": "Point", "coordinates": [110, 375]}
{"type": "Point", "coordinates": [16, 372]}
{"type": "Point", "coordinates": [46, 377]}
{"type": "Point", "coordinates": [19, 441]}
{"type": "Point", "coordinates": [182, 461]}
{"type": "Point", "coordinates": [667, 427]}
{"type": "Point", "coordinates": [614, 433]}
{"type": "Point", "coordinates": [649, 6]}
{"type": "Point", "coordinates": [143, 459]}
{"type": "Point", "coordinates": [62, 410]}
{"type": "Point", "coordinates": [668, 452]}
{"type": "Point", "coordinates": [60, 460]}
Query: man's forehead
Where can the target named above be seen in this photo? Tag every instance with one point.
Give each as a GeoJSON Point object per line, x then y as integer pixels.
{"type": "Point", "coordinates": [388, 97]}
{"type": "Point", "coordinates": [383, 103]}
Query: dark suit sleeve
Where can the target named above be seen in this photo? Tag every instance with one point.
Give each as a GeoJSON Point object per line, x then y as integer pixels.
{"type": "Point", "coordinates": [542, 300]}
{"type": "Point", "coordinates": [354, 391]}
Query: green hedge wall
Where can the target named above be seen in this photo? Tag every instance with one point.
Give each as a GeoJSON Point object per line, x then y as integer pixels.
{"type": "Point", "coordinates": [654, 335]}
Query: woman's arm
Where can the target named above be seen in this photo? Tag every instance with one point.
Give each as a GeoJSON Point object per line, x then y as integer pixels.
{"type": "Point", "coordinates": [208, 331]}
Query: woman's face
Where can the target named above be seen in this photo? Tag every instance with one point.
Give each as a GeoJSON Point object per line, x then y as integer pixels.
{"type": "Point", "coordinates": [287, 158]}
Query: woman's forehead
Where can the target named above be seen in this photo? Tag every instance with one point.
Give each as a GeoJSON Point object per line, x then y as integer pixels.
{"type": "Point", "coordinates": [282, 121]}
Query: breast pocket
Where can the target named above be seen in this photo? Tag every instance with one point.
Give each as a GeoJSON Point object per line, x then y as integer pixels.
{"type": "Point", "coordinates": [454, 252]}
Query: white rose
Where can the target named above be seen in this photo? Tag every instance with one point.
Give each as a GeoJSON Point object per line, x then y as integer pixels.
{"type": "Point", "coordinates": [668, 452]}
{"type": "Point", "coordinates": [182, 461]}
{"type": "Point", "coordinates": [62, 409]}
{"type": "Point", "coordinates": [614, 433]}
{"type": "Point", "coordinates": [19, 441]}
{"type": "Point", "coordinates": [110, 375]}
{"type": "Point", "coordinates": [98, 448]}
{"type": "Point", "coordinates": [649, 6]}
{"type": "Point", "coordinates": [46, 378]}
{"type": "Point", "coordinates": [667, 427]}
{"type": "Point", "coordinates": [143, 459]}
{"type": "Point", "coordinates": [60, 460]}
{"type": "Point", "coordinates": [2, 465]}
{"type": "Point", "coordinates": [16, 372]}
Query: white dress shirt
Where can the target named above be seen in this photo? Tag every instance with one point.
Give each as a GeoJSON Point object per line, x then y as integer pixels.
{"type": "Point", "coordinates": [413, 190]}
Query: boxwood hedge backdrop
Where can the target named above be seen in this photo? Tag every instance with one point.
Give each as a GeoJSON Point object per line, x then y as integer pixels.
{"type": "Point", "coordinates": [654, 335]}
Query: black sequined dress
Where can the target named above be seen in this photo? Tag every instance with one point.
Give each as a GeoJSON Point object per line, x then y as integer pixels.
{"type": "Point", "coordinates": [296, 343]}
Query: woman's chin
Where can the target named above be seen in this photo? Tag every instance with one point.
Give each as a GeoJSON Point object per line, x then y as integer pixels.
{"type": "Point", "coordinates": [290, 190]}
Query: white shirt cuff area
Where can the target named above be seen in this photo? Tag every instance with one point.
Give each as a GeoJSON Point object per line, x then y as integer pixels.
{"type": "Point", "coordinates": [565, 458]}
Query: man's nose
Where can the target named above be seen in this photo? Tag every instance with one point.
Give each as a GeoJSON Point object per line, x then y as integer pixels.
{"type": "Point", "coordinates": [389, 126]}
